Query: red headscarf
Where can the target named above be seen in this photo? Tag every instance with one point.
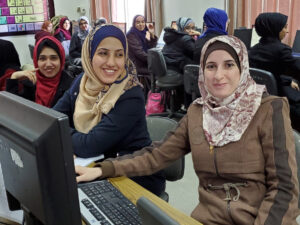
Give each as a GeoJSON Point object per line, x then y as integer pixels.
{"type": "Point", "coordinates": [66, 33]}
{"type": "Point", "coordinates": [46, 87]}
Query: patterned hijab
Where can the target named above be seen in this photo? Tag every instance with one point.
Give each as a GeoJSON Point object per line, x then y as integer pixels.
{"type": "Point", "coordinates": [96, 98]}
{"type": "Point", "coordinates": [182, 22]}
{"type": "Point", "coordinates": [83, 33]}
{"type": "Point", "coordinates": [225, 120]}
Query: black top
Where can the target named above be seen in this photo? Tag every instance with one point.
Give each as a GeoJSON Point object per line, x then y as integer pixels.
{"type": "Point", "coordinates": [28, 89]}
{"type": "Point", "coordinates": [178, 50]}
{"type": "Point", "coordinates": [75, 47]}
{"type": "Point", "coordinates": [9, 57]}
{"type": "Point", "coordinates": [200, 43]}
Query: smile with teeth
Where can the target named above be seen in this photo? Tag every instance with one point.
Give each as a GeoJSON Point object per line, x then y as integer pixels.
{"type": "Point", "coordinates": [109, 71]}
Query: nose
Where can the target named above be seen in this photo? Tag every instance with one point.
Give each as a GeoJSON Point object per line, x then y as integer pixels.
{"type": "Point", "coordinates": [219, 74]}
{"type": "Point", "coordinates": [111, 60]}
{"type": "Point", "coordinates": [48, 62]}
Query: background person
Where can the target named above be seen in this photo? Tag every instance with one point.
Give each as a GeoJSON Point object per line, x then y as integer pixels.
{"type": "Point", "coordinates": [64, 33]}
{"type": "Point", "coordinates": [45, 31]}
{"type": "Point", "coordinates": [48, 82]}
{"type": "Point", "coordinates": [247, 170]}
{"type": "Point", "coordinates": [105, 104]}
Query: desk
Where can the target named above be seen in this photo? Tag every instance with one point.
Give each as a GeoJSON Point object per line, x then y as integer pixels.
{"type": "Point", "coordinates": [133, 192]}
{"type": "Point", "coordinates": [5, 221]}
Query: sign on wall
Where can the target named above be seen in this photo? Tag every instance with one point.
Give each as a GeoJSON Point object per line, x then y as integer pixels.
{"type": "Point", "coordinates": [24, 16]}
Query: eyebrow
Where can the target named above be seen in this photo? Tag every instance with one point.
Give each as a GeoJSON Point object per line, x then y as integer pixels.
{"type": "Point", "coordinates": [229, 60]}
{"type": "Point", "coordinates": [121, 49]}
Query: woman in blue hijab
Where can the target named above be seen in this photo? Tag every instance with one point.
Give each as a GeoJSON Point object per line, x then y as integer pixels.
{"type": "Point", "coordinates": [216, 21]}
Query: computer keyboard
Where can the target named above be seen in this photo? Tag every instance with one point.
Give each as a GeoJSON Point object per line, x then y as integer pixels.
{"type": "Point", "coordinates": [102, 203]}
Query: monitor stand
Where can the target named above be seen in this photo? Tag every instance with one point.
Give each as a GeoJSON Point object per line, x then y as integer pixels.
{"type": "Point", "coordinates": [30, 219]}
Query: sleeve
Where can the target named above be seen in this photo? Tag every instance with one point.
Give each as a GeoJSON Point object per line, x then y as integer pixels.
{"type": "Point", "coordinates": [189, 46]}
{"type": "Point", "coordinates": [153, 158]}
{"type": "Point", "coordinates": [74, 48]}
{"type": "Point", "coordinates": [24, 88]}
{"type": "Point", "coordinates": [4, 77]}
{"type": "Point", "coordinates": [152, 43]}
{"type": "Point", "coordinates": [111, 130]}
{"type": "Point", "coordinates": [136, 48]}
{"type": "Point", "coordinates": [291, 63]}
{"type": "Point", "coordinates": [280, 205]}
{"type": "Point", "coordinates": [59, 36]}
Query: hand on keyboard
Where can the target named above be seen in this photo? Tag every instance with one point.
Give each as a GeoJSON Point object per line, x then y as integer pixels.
{"type": "Point", "coordinates": [87, 173]}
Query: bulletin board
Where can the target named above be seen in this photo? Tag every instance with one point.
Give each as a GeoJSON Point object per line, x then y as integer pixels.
{"type": "Point", "coordinates": [19, 17]}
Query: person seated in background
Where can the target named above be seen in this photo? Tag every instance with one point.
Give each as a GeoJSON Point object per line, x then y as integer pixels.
{"type": "Point", "coordinates": [45, 31]}
{"type": "Point", "coordinates": [272, 55]}
{"type": "Point", "coordinates": [48, 82]}
{"type": "Point", "coordinates": [216, 23]}
{"type": "Point", "coordinates": [140, 38]}
{"type": "Point", "coordinates": [78, 39]}
{"type": "Point", "coordinates": [179, 44]}
{"type": "Point", "coordinates": [100, 22]}
{"type": "Point", "coordinates": [9, 61]}
{"type": "Point", "coordinates": [105, 104]}
{"type": "Point", "coordinates": [64, 33]}
{"type": "Point", "coordinates": [247, 170]}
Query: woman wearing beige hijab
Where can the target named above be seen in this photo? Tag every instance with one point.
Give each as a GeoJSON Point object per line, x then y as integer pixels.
{"type": "Point", "coordinates": [106, 105]}
{"type": "Point", "coordinates": [241, 143]}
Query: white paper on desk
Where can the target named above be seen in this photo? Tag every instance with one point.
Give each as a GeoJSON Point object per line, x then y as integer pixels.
{"type": "Point", "coordinates": [86, 161]}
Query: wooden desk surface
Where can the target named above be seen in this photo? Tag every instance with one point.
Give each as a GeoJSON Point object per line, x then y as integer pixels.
{"type": "Point", "coordinates": [133, 192]}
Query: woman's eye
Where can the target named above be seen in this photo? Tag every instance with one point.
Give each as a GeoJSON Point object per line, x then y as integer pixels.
{"type": "Point", "coordinates": [209, 66]}
{"type": "Point", "coordinates": [120, 54]}
{"type": "Point", "coordinates": [42, 59]}
{"type": "Point", "coordinates": [229, 65]}
{"type": "Point", "coordinates": [102, 53]}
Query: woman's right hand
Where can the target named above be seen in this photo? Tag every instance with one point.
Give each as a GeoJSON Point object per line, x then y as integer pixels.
{"type": "Point", "coordinates": [25, 74]}
{"type": "Point", "coordinates": [87, 173]}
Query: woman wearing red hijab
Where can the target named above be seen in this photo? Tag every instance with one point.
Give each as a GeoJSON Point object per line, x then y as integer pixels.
{"type": "Point", "coordinates": [47, 83]}
{"type": "Point", "coordinates": [63, 33]}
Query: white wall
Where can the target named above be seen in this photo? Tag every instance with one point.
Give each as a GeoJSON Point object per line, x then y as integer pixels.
{"type": "Point", "coordinates": [62, 7]}
{"type": "Point", "coordinates": [173, 9]}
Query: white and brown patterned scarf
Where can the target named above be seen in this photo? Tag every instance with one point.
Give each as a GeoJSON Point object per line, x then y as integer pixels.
{"type": "Point", "coordinates": [225, 120]}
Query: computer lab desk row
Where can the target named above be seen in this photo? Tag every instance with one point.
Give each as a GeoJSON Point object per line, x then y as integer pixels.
{"type": "Point", "coordinates": [133, 192]}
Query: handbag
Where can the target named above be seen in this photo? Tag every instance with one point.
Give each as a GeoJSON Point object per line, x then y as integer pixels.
{"type": "Point", "coordinates": [155, 102]}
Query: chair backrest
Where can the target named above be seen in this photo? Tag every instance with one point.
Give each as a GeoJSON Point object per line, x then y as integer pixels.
{"type": "Point", "coordinates": [265, 77]}
{"type": "Point", "coordinates": [31, 47]}
{"type": "Point", "coordinates": [297, 145]}
{"type": "Point", "coordinates": [296, 44]}
{"type": "Point", "coordinates": [190, 80]}
{"type": "Point", "coordinates": [156, 62]}
{"type": "Point", "coordinates": [245, 35]}
{"type": "Point", "coordinates": [158, 127]}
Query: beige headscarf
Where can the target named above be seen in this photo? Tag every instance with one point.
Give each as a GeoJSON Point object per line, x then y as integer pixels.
{"type": "Point", "coordinates": [94, 97]}
{"type": "Point", "coordinates": [225, 120]}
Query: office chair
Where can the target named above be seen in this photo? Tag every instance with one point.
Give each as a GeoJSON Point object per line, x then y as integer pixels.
{"type": "Point", "coordinates": [158, 127]}
{"type": "Point", "coordinates": [296, 43]}
{"type": "Point", "coordinates": [31, 47]}
{"type": "Point", "coordinates": [266, 78]}
{"type": "Point", "coordinates": [164, 79]}
{"type": "Point", "coordinates": [190, 80]}
{"type": "Point", "coordinates": [297, 147]}
{"type": "Point", "coordinates": [245, 35]}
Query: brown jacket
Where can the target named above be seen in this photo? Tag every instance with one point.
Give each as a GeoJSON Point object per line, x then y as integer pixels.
{"type": "Point", "coordinates": [259, 170]}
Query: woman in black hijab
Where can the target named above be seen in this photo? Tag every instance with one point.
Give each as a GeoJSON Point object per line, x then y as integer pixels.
{"type": "Point", "coordinates": [272, 55]}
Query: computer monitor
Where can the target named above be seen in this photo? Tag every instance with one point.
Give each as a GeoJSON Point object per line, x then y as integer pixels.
{"type": "Point", "coordinates": [245, 35]}
{"type": "Point", "coordinates": [37, 162]}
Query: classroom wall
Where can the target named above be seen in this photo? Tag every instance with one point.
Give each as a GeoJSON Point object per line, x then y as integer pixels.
{"type": "Point", "coordinates": [65, 7]}
{"type": "Point", "coordinates": [189, 8]}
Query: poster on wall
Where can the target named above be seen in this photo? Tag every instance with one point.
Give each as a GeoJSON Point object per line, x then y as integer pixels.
{"type": "Point", "coordinates": [19, 17]}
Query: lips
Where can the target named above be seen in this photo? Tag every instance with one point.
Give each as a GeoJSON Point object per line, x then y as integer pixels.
{"type": "Point", "coordinates": [221, 85]}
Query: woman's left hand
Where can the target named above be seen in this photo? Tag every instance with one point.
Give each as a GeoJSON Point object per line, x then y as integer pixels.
{"type": "Point", "coordinates": [87, 173]}
{"type": "Point", "coordinates": [194, 32]}
{"type": "Point", "coordinates": [148, 35]}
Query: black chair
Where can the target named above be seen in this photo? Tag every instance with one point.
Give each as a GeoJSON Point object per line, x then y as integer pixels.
{"type": "Point", "coordinates": [190, 80]}
{"type": "Point", "coordinates": [31, 47]}
{"type": "Point", "coordinates": [245, 35]}
{"type": "Point", "coordinates": [265, 77]}
{"type": "Point", "coordinates": [158, 127]}
{"type": "Point", "coordinates": [163, 79]}
{"type": "Point", "coordinates": [296, 44]}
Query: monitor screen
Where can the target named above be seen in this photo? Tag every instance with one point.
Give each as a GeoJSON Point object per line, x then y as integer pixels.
{"type": "Point", "coordinates": [37, 162]}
